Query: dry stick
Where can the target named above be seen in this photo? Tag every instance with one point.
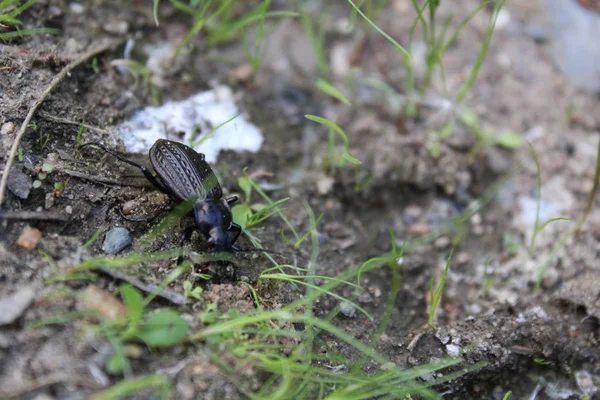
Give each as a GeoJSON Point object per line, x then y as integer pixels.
{"type": "Point", "coordinates": [166, 294]}
{"type": "Point", "coordinates": [34, 215]}
{"type": "Point", "coordinates": [53, 84]}
{"type": "Point", "coordinates": [65, 121]}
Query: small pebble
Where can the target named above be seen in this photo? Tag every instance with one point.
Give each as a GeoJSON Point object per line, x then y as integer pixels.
{"type": "Point", "coordinates": [19, 184]}
{"type": "Point", "coordinates": [69, 210]}
{"type": "Point", "coordinates": [129, 206]}
{"type": "Point", "coordinates": [453, 350]}
{"type": "Point", "coordinates": [16, 304]}
{"type": "Point", "coordinates": [36, 184]}
{"type": "Point", "coordinates": [116, 240]}
{"type": "Point", "coordinates": [117, 27]}
{"type": "Point", "coordinates": [348, 310]}
{"type": "Point", "coordinates": [30, 238]}
{"type": "Point", "coordinates": [49, 201]}
{"type": "Point", "coordinates": [241, 73]}
{"type": "Point", "coordinates": [442, 242]}
{"type": "Point", "coordinates": [76, 8]}
{"type": "Point", "coordinates": [419, 229]}
{"type": "Point", "coordinates": [7, 128]}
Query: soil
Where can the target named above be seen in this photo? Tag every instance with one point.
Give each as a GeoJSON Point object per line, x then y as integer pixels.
{"type": "Point", "coordinates": [538, 343]}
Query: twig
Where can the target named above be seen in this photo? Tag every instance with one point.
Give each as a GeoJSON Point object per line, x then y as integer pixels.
{"type": "Point", "coordinates": [53, 84]}
{"type": "Point", "coordinates": [104, 180]}
{"type": "Point", "coordinates": [65, 121]}
{"type": "Point", "coordinates": [32, 215]}
{"type": "Point", "coordinates": [173, 297]}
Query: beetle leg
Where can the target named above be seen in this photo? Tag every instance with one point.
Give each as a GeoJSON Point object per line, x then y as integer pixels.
{"type": "Point", "coordinates": [231, 199]}
{"type": "Point", "coordinates": [233, 227]}
{"type": "Point", "coordinates": [147, 173]}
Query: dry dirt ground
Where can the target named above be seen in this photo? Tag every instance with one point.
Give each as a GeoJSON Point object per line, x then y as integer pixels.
{"type": "Point", "coordinates": [536, 342]}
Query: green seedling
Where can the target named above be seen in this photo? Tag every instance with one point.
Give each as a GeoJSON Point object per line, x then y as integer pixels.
{"type": "Point", "coordinates": [394, 264]}
{"type": "Point", "coordinates": [190, 291]}
{"type": "Point", "coordinates": [332, 159]}
{"type": "Point", "coordinates": [541, 361]}
{"type": "Point", "coordinates": [248, 216]}
{"type": "Point", "coordinates": [10, 10]}
{"type": "Point", "coordinates": [332, 91]}
{"type": "Point", "coordinates": [20, 156]}
{"type": "Point", "coordinates": [78, 141]}
{"type": "Point", "coordinates": [487, 137]}
{"type": "Point", "coordinates": [436, 293]}
{"type": "Point", "coordinates": [248, 185]}
{"type": "Point", "coordinates": [59, 188]}
{"type": "Point", "coordinates": [162, 328]}
{"type": "Point", "coordinates": [94, 65]}
{"type": "Point", "coordinates": [43, 140]}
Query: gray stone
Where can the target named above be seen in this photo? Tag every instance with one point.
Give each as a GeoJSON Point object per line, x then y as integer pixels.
{"type": "Point", "coordinates": [116, 240]}
{"type": "Point", "coordinates": [14, 306]}
{"type": "Point", "coordinates": [19, 183]}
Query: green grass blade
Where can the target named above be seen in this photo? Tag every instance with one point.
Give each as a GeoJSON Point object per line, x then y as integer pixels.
{"type": "Point", "coordinates": [339, 131]}
{"type": "Point", "coordinates": [128, 387]}
{"type": "Point", "coordinates": [437, 296]}
{"type": "Point", "coordinates": [28, 32]}
{"type": "Point", "coordinates": [332, 91]}
{"type": "Point", "coordinates": [466, 86]}
{"type": "Point", "coordinates": [397, 45]}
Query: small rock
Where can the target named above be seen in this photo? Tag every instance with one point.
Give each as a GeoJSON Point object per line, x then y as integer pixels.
{"type": "Point", "coordinates": [443, 338]}
{"type": "Point", "coordinates": [29, 239]}
{"type": "Point", "coordinates": [340, 57]}
{"type": "Point", "coordinates": [102, 302]}
{"type": "Point", "coordinates": [116, 27]}
{"type": "Point", "coordinates": [76, 8]}
{"type": "Point", "coordinates": [129, 206]}
{"type": "Point", "coordinates": [462, 257]}
{"type": "Point", "coordinates": [7, 128]}
{"type": "Point", "coordinates": [478, 230]}
{"type": "Point", "coordinates": [587, 382]}
{"type": "Point", "coordinates": [69, 210]}
{"type": "Point", "coordinates": [537, 33]}
{"type": "Point", "coordinates": [54, 12]}
{"type": "Point", "coordinates": [324, 184]}
{"type": "Point", "coordinates": [49, 201]}
{"type": "Point", "coordinates": [240, 74]}
{"type": "Point", "coordinates": [442, 242]}
{"type": "Point", "coordinates": [453, 350]}
{"type": "Point", "coordinates": [375, 291]}
{"type": "Point", "coordinates": [14, 306]}
{"type": "Point", "coordinates": [19, 183]}
{"type": "Point", "coordinates": [413, 211]}
{"type": "Point", "coordinates": [116, 240]}
{"type": "Point", "coordinates": [419, 229]}
{"type": "Point", "coordinates": [348, 309]}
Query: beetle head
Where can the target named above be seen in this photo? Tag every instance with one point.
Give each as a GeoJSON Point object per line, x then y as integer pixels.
{"type": "Point", "coordinates": [219, 239]}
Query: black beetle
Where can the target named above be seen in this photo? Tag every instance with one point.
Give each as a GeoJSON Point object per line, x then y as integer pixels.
{"type": "Point", "coordinates": [183, 174]}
